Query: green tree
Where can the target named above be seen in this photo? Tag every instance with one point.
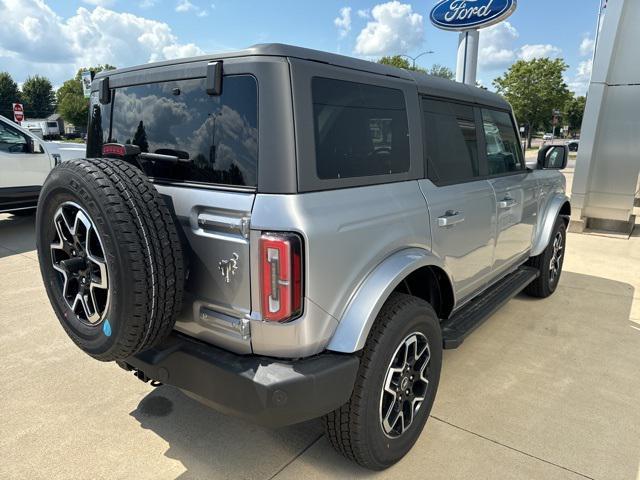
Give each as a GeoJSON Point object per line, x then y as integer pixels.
{"type": "Point", "coordinates": [441, 71]}
{"type": "Point", "coordinates": [534, 88]}
{"type": "Point", "coordinates": [72, 105]}
{"type": "Point", "coordinates": [9, 94]}
{"type": "Point", "coordinates": [399, 61]}
{"type": "Point", "coordinates": [38, 97]}
{"type": "Point", "coordinates": [575, 111]}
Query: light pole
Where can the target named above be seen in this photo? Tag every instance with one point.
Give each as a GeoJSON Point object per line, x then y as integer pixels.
{"type": "Point", "coordinates": [417, 57]}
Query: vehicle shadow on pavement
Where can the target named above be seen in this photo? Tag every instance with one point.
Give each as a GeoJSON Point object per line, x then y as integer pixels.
{"type": "Point", "coordinates": [504, 366]}
{"type": "Point", "coordinates": [17, 234]}
{"type": "Point", "coordinates": [212, 445]}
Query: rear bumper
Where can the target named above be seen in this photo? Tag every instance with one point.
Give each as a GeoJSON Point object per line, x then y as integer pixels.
{"type": "Point", "coordinates": [268, 391]}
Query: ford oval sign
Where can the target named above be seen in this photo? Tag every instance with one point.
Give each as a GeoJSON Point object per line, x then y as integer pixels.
{"type": "Point", "coordinates": [470, 14]}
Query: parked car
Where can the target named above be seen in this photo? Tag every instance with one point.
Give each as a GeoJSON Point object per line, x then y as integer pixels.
{"type": "Point", "coordinates": [26, 161]}
{"type": "Point", "coordinates": [287, 234]}
{"type": "Point", "coordinates": [573, 145]}
{"type": "Point", "coordinates": [67, 150]}
{"type": "Point", "coordinates": [547, 136]}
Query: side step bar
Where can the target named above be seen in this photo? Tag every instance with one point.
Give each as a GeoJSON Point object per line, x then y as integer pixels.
{"type": "Point", "coordinates": [456, 328]}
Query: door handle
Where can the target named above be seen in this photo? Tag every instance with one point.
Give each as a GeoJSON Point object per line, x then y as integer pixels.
{"type": "Point", "coordinates": [450, 218]}
{"type": "Point", "coordinates": [507, 202]}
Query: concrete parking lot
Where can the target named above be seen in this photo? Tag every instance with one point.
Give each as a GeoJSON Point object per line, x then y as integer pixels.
{"type": "Point", "coordinates": [545, 389]}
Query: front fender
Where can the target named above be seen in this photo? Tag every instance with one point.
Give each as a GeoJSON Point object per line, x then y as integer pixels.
{"type": "Point", "coordinates": [548, 221]}
{"type": "Point", "coordinates": [365, 304]}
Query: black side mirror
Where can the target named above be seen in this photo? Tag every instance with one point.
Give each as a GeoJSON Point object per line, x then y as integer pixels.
{"type": "Point", "coordinates": [553, 157]}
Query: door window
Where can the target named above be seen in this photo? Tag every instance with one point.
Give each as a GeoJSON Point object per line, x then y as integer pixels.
{"type": "Point", "coordinates": [504, 154]}
{"type": "Point", "coordinates": [12, 140]}
{"type": "Point", "coordinates": [451, 142]}
{"type": "Point", "coordinates": [360, 130]}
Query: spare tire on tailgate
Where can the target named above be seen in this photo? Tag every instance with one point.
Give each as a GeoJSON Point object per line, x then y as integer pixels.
{"type": "Point", "coordinates": [110, 257]}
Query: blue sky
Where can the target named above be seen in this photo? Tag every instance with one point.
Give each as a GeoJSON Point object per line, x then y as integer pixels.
{"type": "Point", "coordinates": [65, 34]}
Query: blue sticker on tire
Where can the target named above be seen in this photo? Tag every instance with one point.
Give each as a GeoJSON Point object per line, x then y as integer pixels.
{"type": "Point", "coordinates": [106, 328]}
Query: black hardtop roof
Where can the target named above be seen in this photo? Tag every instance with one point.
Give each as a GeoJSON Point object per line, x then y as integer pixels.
{"type": "Point", "coordinates": [426, 84]}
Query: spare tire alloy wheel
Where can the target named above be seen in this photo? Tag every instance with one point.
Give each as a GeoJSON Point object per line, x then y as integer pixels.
{"type": "Point", "coordinates": [78, 255]}
{"type": "Point", "coordinates": [110, 257]}
{"type": "Point", "coordinates": [405, 385]}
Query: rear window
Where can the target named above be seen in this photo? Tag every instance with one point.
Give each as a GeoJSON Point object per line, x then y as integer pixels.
{"type": "Point", "coordinates": [216, 137]}
{"type": "Point", "coordinates": [360, 130]}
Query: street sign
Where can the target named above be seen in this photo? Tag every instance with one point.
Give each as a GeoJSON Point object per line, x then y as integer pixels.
{"type": "Point", "coordinates": [18, 112]}
{"type": "Point", "coordinates": [461, 15]}
{"type": "Point", "coordinates": [86, 83]}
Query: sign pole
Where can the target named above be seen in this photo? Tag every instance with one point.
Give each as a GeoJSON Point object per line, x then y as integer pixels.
{"type": "Point", "coordinates": [468, 17]}
{"type": "Point", "coordinates": [467, 65]}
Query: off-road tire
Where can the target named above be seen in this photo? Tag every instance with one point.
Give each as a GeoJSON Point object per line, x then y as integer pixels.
{"type": "Point", "coordinates": [543, 286]}
{"type": "Point", "coordinates": [355, 429]}
{"type": "Point", "coordinates": [142, 252]}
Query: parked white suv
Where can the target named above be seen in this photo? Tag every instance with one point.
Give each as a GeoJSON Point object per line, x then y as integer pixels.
{"type": "Point", "coordinates": [26, 161]}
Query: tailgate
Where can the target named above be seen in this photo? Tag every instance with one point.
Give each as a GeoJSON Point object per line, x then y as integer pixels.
{"type": "Point", "coordinates": [217, 297]}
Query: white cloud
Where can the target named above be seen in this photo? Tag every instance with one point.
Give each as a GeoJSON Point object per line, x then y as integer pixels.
{"type": "Point", "coordinates": [101, 3]}
{"type": "Point", "coordinates": [395, 29]}
{"type": "Point", "coordinates": [496, 46]}
{"type": "Point", "coordinates": [57, 47]}
{"type": "Point", "coordinates": [343, 21]}
{"type": "Point", "coordinates": [587, 46]}
{"type": "Point", "coordinates": [185, 6]}
{"type": "Point", "coordinates": [364, 13]}
{"type": "Point", "coordinates": [529, 52]}
{"type": "Point", "coordinates": [580, 82]}
{"type": "Point", "coordinates": [147, 3]}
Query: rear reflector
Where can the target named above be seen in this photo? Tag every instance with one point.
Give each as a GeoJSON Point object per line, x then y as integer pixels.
{"type": "Point", "coordinates": [118, 150]}
{"type": "Point", "coordinates": [280, 276]}
{"type": "Point", "coordinates": [113, 150]}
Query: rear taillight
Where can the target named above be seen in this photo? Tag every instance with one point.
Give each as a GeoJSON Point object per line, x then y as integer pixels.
{"type": "Point", "coordinates": [280, 276]}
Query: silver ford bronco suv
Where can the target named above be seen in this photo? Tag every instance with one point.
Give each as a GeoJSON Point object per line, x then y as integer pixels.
{"type": "Point", "coordinates": [286, 234]}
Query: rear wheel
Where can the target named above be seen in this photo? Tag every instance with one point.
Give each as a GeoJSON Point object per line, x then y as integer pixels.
{"type": "Point", "coordinates": [395, 388]}
{"type": "Point", "coordinates": [549, 263]}
{"type": "Point", "coordinates": [110, 257]}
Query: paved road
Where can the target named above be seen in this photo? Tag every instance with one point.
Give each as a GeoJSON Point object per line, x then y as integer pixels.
{"type": "Point", "coordinates": [544, 390]}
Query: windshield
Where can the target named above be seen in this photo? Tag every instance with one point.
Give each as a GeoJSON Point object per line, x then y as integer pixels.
{"type": "Point", "coordinates": [215, 137]}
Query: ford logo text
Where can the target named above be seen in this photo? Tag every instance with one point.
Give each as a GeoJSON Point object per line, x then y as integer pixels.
{"type": "Point", "coordinates": [470, 14]}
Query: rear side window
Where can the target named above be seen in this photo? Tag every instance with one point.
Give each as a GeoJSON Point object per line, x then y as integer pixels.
{"type": "Point", "coordinates": [504, 154]}
{"type": "Point", "coordinates": [360, 130]}
{"type": "Point", "coordinates": [215, 137]}
{"type": "Point", "coordinates": [451, 142]}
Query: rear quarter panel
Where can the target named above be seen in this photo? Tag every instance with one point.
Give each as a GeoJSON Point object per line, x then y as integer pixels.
{"type": "Point", "coordinates": [346, 234]}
